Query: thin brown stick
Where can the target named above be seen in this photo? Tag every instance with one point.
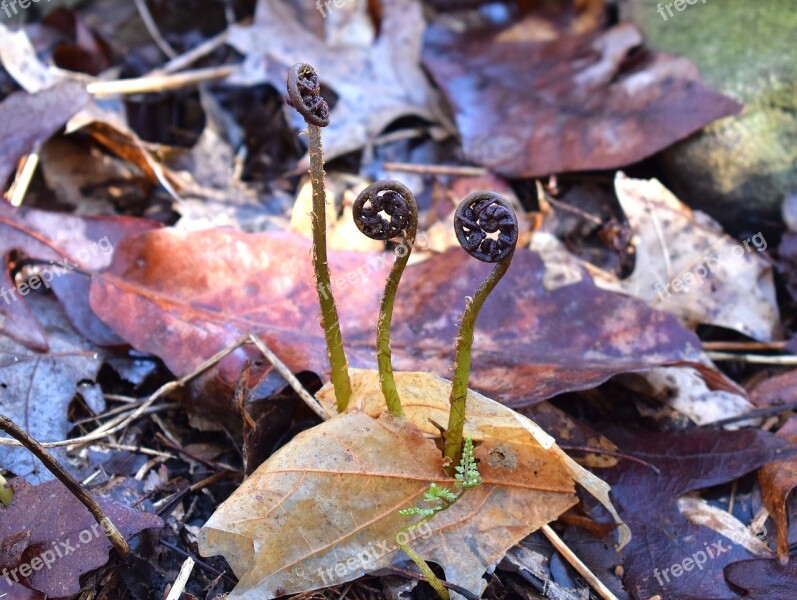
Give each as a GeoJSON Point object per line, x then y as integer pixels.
{"type": "Point", "coordinates": [756, 359]}
{"type": "Point", "coordinates": [743, 346]}
{"type": "Point", "coordinates": [152, 28]}
{"type": "Point", "coordinates": [576, 563]}
{"type": "Point", "coordinates": [455, 170]}
{"type": "Point", "coordinates": [117, 539]}
{"type": "Point", "coordinates": [160, 82]}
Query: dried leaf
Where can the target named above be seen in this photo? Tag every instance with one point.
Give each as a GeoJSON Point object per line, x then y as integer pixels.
{"type": "Point", "coordinates": [39, 386]}
{"type": "Point", "coordinates": [335, 492]}
{"type": "Point", "coordinates": [425, 399]}
{"type": "Point", "coordinates": [778, 479]}
{"type": "Point", "coordinates": [375, 83]}
{"type": "Point", "coordinates": [27, 120]}
{"type": "Point", "coordinates": [598, 101]}
{"type": "Point", "coordinates": [60, 530]}
{"type": "Point", "coordinates": [201, 291]}
{"type": "Point", "coordinates": [648, 502]}
{"type": "Point", "coordinates": [763, 579]}
{"type": "Point", "coordinates": [688, 266]}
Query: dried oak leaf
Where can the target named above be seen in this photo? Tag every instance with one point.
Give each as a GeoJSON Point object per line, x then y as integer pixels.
{"type": "Point", "coordinates": [597, 101]}
{"type": "Point", "coordinates": [763, 579]}
{"type": "Point", "coordinates": [55, 522]}
{"type": "Point", "coordinates": [199, 292]}
{"type": "Point", "coordinates": [648, 503]}
{"type": "Point", "coordinates": [376, 82]}
{"type": "Point", "coordinates": [324, 509]}
{"type": "Point", "coordinates": [777, 480]}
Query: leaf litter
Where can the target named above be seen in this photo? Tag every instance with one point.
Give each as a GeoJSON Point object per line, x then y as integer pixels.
{"type": "Point", "coordinates": [573, 345]}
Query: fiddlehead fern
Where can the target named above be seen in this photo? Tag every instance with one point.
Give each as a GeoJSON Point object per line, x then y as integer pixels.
{"type": "Point", "coordinates": [477, 217]}
{"type": "Point", "coordinates": [382, 211]}
{"type": "Point", "coordinates": [304, 92]}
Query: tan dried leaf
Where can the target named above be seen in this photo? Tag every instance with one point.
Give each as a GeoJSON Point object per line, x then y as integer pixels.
{"type": "Point", "coordinates": [324, 509]}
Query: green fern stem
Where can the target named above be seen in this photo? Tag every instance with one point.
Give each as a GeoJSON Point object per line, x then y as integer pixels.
{"type": "Point", "coordinates": [459, 388]}
{"type": "Point", "coordinates": [339, 368]}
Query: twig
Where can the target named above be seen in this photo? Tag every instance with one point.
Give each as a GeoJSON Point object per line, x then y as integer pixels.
{"type": "Point", "coordinates": [754, 414]}
{"type": "Point", "coordinates": [288, 376]}
{"type": "Point", "coordinates": [16, 195]}
{"type": "Point", "coordinates": [576, 563]}
{"type": "Point", "coordinates": [159, 83]}
{"type": "Point", "coordinates": [610, 453]}
{"type": "Point", "coordinates": [152, 28]}
{"type": "Point", "coordinates": [435, 169]}
{"type": "Point", "coordinates": [754, 359]}
{"type": "Point", "coordinates": [117, 539]}
{"type": "Point", "coordinates": [742, 346]}
{"type": "Point", "coordinates": [182, 578]}
{"type": "Point", "coordinates": [165, 389]}
{"type": "Point", "coordinates": [197, 560]}
{"type": "Point", "coordinates": [184, 60]}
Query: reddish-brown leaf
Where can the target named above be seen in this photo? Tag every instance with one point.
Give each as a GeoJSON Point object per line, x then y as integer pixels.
{"type": "Point", "coordinates": [59, 524]}
{"type": "Point", "coordinates": [199, 292]}
{"type": "Point", "coordinates": [777, 480]}
{"type": "Point", "coordinates": [598, 101]}
{"type": "Point", "coordinates": [647, 502]}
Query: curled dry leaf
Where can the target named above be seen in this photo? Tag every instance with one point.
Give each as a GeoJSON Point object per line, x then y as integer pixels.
{"type": "Point", "coordinates": [778, 479]}
{"type": "Point", "coordinates": [598, 101]}
{"type": "Point", "coordinates": [324, 509]}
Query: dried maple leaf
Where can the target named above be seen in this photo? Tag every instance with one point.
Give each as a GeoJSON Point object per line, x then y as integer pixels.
{"type": "Point", "coordinates": [598, 101]}
{"type": "Point", "coordinates": [335, 492]}
{"type": "Point", "coordinates": [200, 291]}
{"type": "Point", "coordinates": [52, 520]}
{"type": "Point", "coordinates": [375, 83]}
